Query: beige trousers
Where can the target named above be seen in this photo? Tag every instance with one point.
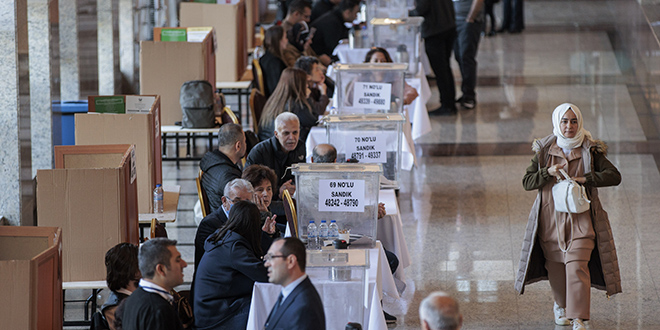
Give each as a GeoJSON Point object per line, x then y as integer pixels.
{"type": "Point", "coordinates": [571, 287]}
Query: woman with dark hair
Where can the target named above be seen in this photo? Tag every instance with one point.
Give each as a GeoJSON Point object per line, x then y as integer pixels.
{"type": "Point", "coordinates": [299, 44]}
{"type": "Point", "coordinates": [263, 179]}
{"type": "Point", "coordinates": [271, 63]}
{"type": "Point", "coordinates": [290, 95]}
{"type": "Point", "coordinates": [122, 277]}
{"type": "Point", "coordinates": [230, 266]}
{"type": "Point", "coordinates": [380, 55]}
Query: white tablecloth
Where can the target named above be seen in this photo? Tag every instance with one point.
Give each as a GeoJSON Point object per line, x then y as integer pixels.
{"type": "Point", "coordinates": [390, 231]}
{"type": "Point", "coordinates": [381, 281]}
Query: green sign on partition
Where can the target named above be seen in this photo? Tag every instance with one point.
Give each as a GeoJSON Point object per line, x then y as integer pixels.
{"type": "Point", "coordinates": [173, 35]}
{"type": "Point", "coordinates": [110, 104]}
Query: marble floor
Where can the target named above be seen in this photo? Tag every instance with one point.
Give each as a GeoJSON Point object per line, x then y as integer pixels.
{"type": "Point", "coordinates": [463, 208]}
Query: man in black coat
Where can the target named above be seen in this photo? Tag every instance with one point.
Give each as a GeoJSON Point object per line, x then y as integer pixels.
{"type": "Point", "coordinates": [280, 152]}
{"type": "Point", "coordinates": [330, 29]}
{"type": "Point", "coordinates": [151, 305]}
{"type": "Point", "coordinates": [299, 305]}
{"type": "Point", "coordinates": [219, 166]}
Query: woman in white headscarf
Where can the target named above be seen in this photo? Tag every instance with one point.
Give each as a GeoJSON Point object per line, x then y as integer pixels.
{"type": "Point", "coordinates": [576, 254]}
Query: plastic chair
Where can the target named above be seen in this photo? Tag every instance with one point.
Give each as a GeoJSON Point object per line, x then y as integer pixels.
{"type": "Point", "coordinates": [290, 212]}
{"type": "Point", "coordinates": [201, 194]}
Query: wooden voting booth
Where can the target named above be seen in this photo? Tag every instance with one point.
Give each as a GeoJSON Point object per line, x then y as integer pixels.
{"type": "Point", "coordinates": [183, 54]}
{"type": "Point", "coordinates": [30, 273]}
{"type": "Point", "coordinates": [127, 119]}
{"type": "Point", "coordinates": [92, 195]}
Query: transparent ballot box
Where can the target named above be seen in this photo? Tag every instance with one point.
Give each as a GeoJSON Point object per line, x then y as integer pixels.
{"type": "Point", "coordinates": [401, 37]}
{"type": "Point", "coordinates": [374, 138]}
{"type": "Point", "coordinates": [370, 87]}
{"type": "Point", "coordinates": [388, 8]}
{"type": "Point", "coordinates": [341, 279]}
{"type": "Point", "coordinates": [347, 193]}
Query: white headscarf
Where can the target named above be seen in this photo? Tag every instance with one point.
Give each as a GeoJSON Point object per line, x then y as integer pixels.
{"type": "Point", "coordinates": [562, 141]}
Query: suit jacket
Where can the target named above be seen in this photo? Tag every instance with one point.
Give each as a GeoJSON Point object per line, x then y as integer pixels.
{"type": "Point", "coordinates": [270, 154]}
{"type": "Point", "coordinates": [302, 309]}
{"type": "Point", "coordinates": [145, 311]}
{"type": "Point", "coordinates": [218, 171]}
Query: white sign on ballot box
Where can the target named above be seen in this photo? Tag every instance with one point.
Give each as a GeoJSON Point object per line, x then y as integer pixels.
{"type": "Point", "coordinates": [341, 196]}
{"type": "Point", "coordinates": [370, 95]}
{"type": "Point", "coordinates": [367, 147]}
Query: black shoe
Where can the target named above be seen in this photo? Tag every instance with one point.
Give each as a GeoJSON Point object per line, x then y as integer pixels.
{"type": "Point", "coordinates": [490, 33]}
{"type": "Point", "coordinates": [468, 104]}
{"type": "Point", "coordinates": [443, 111]}
{"type": "Point", "coordinates": [389, 319]}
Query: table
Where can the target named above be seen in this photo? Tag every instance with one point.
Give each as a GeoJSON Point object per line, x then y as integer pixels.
{"type": "Point", "coordinates": [96, 287]}
{"type": "Point", "coordinates": [190, 134]}
{"type": "Point", "coordinates": [238, 88]}
{"type": "Point", "coordinates": [390, 231]}
{"type": "Point", "coordinates": [381, 282]}
{"type": "Point", "coordinates": [170, 204]}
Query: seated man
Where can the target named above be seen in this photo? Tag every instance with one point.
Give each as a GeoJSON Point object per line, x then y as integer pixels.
{"type": "Point", "coordinates": [150, 305]}
{"type": "Point", "coordinates": [439, 311]}
{"type": "Point", "coordinates": [299, 305]}
{"type": "Point", "coordinates": [330, 29]}
{"type": "Point", "coordinates": [281, 151]}
{"type": "Point", "coordinates": [298, 11]}
{"type": "Point", "coordinates": [219, 166]}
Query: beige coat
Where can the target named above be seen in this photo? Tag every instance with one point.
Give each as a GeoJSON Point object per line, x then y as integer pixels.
{"type": "Point", "coordinates": [603, 265]}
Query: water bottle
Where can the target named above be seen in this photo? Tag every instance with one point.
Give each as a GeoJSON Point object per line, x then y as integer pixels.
{"type": "Point", "coordinates": [401, 55]}
{"type": "Point", "coordinates": [333, 230]}
{"type": "Point", "coordinates": [323, 230]}
{"type": "Point", "coordinates": [158, 199]}
{"type": "Point", "coordinates": [311, 236]}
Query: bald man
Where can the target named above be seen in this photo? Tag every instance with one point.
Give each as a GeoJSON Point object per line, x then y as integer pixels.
{"type": "Point", "coordinates": [439, 311]}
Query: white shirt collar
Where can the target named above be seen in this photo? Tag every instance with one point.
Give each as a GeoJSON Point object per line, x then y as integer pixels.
{"type": "Point", "coordinates": [286, 291]}
{"type": "Point", "coordinates": [125, 291]}
{"type": "Point", "coordinates": [155, 288]}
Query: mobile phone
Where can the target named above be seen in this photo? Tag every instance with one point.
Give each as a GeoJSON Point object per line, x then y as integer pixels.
{"type": "Point", "coordinates": [311, 33]}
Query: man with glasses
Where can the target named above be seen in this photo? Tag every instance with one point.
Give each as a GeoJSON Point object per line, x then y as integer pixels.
{"type": "Point", "coordinates": [299, 11]}
{"type": "Point", "coordinates": [299, 305]}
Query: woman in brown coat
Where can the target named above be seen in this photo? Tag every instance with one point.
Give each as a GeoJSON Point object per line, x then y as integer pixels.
{"type": "Point", "coordinates": [572, 255]}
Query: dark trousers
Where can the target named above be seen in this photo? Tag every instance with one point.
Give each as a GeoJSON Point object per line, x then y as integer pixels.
{"type": "Point", "coordinates": [392, 260]}
{"type": "Point", "coordinates": [512, 15]}
{"type": "Point", "coordinates": [438, 49]}
{"type": "Point", "coordinates": [488, 11]}
{"type": "Point", "coordinates": [465, 52]}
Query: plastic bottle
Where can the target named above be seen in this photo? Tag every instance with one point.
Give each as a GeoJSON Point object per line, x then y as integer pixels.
{"type": "Point", "coordinates": [323, 230]}
{"type": "Point", "coordinates": [158, 199]}
{"type": "Point", "coordinates": [312, 234]}
{"type": "Point", "coordinates": [333, 230]}
{"type": "Point", "coordinates": [401, 55]}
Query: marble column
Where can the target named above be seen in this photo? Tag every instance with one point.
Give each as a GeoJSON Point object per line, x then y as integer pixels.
{"type": "Point", "coordinates": [127, 48]}
{"type": "Point", "coordinates": [68, 50]}
{"type": "Point", "coordinates": [17, 193]}
{"type": "Point", "coordinates": [108, 54]}
{"type": "Point", "coordinates": [39, 32]}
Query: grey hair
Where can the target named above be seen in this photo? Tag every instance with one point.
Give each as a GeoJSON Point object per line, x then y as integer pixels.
{"type": "Point", "coordinates": [152, 253]}
{"type": "Point", "coordinates": [236, 184]}
{"type": "Point", "coordinates": [330, 156]}
{"type": "Point", "coordinates": [445, 316]}
{"type": "Point", "coordinates": [285, 117]}
{"type": "Point", "coordinates": [229, 134]}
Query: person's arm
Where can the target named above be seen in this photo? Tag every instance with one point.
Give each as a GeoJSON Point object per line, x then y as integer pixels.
{"type": "Point", "coordinates": [109, 314]}
{"type": "Point", "coordinates": [604, 174]}
{"type": "Point", "coordinates": [305, 115]}
{"type": "Point", "coordinates": [244, 260]}
{"type": "Point", "coordinates": [475, 9]}
{"type": "Point", "coordinates": [421, 8]}
{"type": "Point", "coordinates": [535, 178]}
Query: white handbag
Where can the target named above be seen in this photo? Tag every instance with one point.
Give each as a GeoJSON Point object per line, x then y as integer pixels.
{"type": "Point", "coordinates": [570, 197]}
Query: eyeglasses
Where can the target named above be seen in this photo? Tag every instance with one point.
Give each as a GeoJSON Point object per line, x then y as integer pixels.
{"type": "Point", "coordinates": [233, 201]}
{"type": "Point", "coordinates": [269, 257]}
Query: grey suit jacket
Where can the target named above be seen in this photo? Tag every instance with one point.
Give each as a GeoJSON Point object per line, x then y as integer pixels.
{"type": "Point", "coordinates": [302, 309]}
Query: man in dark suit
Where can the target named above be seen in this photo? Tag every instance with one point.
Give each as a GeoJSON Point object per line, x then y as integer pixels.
{"type": "Point", "coordinates": [151, 305]}
{"type": "Point", "coordinates": [299, 305]}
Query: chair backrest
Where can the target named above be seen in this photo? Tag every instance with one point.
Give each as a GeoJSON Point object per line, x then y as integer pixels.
{"type": "Point", "coordinates": [258, 76]}
{"type": "Point", "coordinates": [201, 194]}
{"type": "Point", "coordinates": [290, 212]}
{"type": "Point", "coordinates": [157, 229]}
{"type": "Point", "coordinates": [257, 103]}
{"type": "Point", "coordinates": [228, 116]}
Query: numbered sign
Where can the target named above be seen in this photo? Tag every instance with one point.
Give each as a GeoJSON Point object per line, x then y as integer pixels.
{"type": "Point", "coordinates": [367, 147]}
{"type": "Point", "coordinates": [341, 196]}
{"type": "Point", "coordinates": [372, 95]}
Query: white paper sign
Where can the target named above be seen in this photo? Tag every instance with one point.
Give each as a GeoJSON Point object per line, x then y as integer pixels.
{"type": "Point", "coordinates": [341, 196]}
{"type": "Point", "coordinates": [139, 104]}
{"type": "Point", "coordinates": [367, 147]}
{"type": "Point", "coordinates": [370, 95]}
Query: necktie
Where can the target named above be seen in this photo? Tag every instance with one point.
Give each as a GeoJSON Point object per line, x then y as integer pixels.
{"type": "Point", "coordinates": [274, 310]}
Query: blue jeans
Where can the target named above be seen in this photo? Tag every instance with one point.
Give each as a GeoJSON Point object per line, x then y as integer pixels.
{"type": "Point", "coordinates": [465, 52]}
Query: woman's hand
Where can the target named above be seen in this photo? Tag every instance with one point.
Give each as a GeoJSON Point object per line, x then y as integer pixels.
{"type": "Point", "coordinates": [554, 170]}
{"type": "Point", "coordinates": [580, 179]}
{"type": "Point", "coordinates": [259, 201]}
{"type": "Point", "coordinates": [269, 225]}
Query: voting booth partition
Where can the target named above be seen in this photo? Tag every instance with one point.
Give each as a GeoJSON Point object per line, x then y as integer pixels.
{"type": "Point", "coordinates": [369, 139]}
{"type": "Point", "coordinates": [366, 88]}
{"type": "Point", "coordinates": [342, 281]}
{"type": "Point", "coordinates": [30, 273]}
{"type": "Point", "coordinates": [127, 119]}
{"type": "Point", "coordinates": [92, 195]}
{"type": "Point", "coordinates": [347, 193]}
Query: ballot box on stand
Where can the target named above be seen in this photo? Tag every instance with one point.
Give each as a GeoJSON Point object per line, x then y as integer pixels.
{"type": "Point", "coordinates": [370, 139]}
{"type": "Point", "coordinates": [366, 88]}
{"type": "Point", "coordinates": [346, 193]}
{"type": "Point", "coordinates": [341, 279]}
{"type": "Point", "coordinates": [401, 37]}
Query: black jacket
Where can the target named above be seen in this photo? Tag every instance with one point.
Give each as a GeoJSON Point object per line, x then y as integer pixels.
{"type": "Point", "coordinates": [271, 67]}
{"type": "Point", "coordinates": [269, 153]}
{"type": "Point", "coordinates": [145, 311]}
{"type": "Point", "coordinates": [302, 309]}
{"type": "Point", "coordinates": [320, 8]}
{"type": "Point", "coordinates": [218, 171]}
{"type": "Point", "coordinates": [330, 29]}
{"type": "Point", "coordinates": [306, 118]}
{"type": "Point", "coordinates": [438, 16]}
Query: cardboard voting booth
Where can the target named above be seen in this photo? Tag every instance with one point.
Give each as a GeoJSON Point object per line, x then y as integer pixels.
{"type": "Point", "coordinates": [137, 122]}
{"type": "Point", "coordinates": [165, 64]}
{"type": "Point", "coordinates": [92, 195]}
{"type": "Point", "coordinates": [30, 277]}
{"type": "Point", "coordinates": [228, 20]}
{"type": "Point", "coordinates": [347, 193]}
